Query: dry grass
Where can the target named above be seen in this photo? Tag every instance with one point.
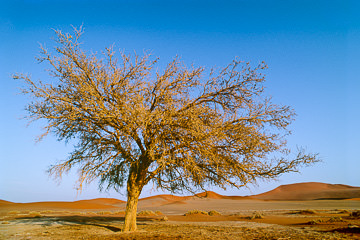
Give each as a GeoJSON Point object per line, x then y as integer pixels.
{"type": "Point", "coordinates": [158, 213]}
{"type": "Point", "coordinates": [335, 219]}
{"type": "Point", "coordinates": [214, 213]}
{"type": "Point", "coordinates": [47, 212]}
{"type": "Point", "coordinates": [164, 219]}
{"type": "Point", "coordinates": [200, 212]}
{"type": "Point", "coordinates": [316, 221]}
{"type": "Point", "coordinates": [13, 212]}
{"type": "Point", "coordinates": [342, 210]}
{"type": "Point", "coordinates": [119, 213]}
{"type": "Point", "coordinates": [35, 214]}
{"type": "Point", "coordinates": [90, 213]}
{"type": "Point", "coordinates": [104, 213]}
{"type": "Point", "coordinates": [305, 212]}
{"type": "Point", "coordinates": [97, 229]}
{"type": "Point", "coordinates": [256, 215]}
{"type": "Point", "coordinates": [196, 212]}
{"type": "Point", "coordinates": [146, 213]}
{"type": "Point", "coordinates": [355, 214]}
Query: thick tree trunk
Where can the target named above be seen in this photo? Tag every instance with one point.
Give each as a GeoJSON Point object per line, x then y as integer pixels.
{"type": "Point", "coordinates": [131, 210]}
{"type": "Point", "coordinates": [135, 184]}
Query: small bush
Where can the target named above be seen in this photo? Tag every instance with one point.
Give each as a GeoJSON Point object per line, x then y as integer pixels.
{"type": "Point", "coordinates": [104, 213]}
{"type": "Point", "coordinates": [343, 211]}
{"type": "Point", "coordinates": [307, 211]}
{"type": "Point", "coordinates": [214, 213]}
{"type": "Point", "coordinates": [90, 213]}
{"type": "Point", "coordinates": [316, 221]}
{"type": "Point", "coordinates": [195, 212]}
{"type": "Point", "coordinates": [35, 214]}
{"type": "Point", "coordinates": [5, 222]}
{"type": "Point", "coordinates": [355, 214]}
{"type": "Point", "coordinates": [158, 213]}
{"type": "Point", "coordinates": [335, 219]}
{"type": "Point", "coordinates": [119, 212]}
{"type": "Point", "coordinates": [146, 213]}
{"type": "Point", "coordinates": [47, 211]}
{"type": "Point", "coordinates": [164, 219]}
{"type": "Point", "coordinates": [256, 215]}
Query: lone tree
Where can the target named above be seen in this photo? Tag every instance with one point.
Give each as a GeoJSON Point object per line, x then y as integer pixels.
{"type": "Point", "coordinates": [181, 128]}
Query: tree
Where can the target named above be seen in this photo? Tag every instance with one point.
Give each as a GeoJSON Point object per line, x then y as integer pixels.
{"type": "Point", "coordinates": [181, 128]}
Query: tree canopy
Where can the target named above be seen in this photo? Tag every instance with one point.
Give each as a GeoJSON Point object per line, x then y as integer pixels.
{"type": "Point", "coordinates": [180, 127]}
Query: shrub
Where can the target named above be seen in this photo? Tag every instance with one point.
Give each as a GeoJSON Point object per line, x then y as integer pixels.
{"type": "Point", "coordinates": [195, 212]}
{"type": "Point", "coordinates": [158, 213]}
{"type": "Point", "coordinates": [316, 221]}
{"type": "Point", "coordinates": [146, 213]}
{"type": "Point", "coordinates": [355, 214]}
{"type": "Point", "coordinates": [119, 212]}
{"type": "Point", "coordinates": [5, 222]}
{"type": "Point", "coordinates": [35, 214]}
{"type": "Point", "coordinates": [343, 211]}
{"type": "Point", "coordinates": [335, 219]}
{"type": "Point", "coordinates": [307, 211]}
{"type": "Point", "coordinates": [47, 211]}
{"type": "Point", "coordinates": [257, 215]}
{"type": "Point", "coordinates": [104, 213]}
{"type": "Point", "coordinates": [164, 218]}
{"type": "Point", "coordinates": [214, 213]}
{"type": "Point", "coordinates": [91, 213]}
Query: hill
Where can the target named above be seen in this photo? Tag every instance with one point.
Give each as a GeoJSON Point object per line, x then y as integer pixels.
{"type": "Point", "coordinates": [310, 191]}
{"type": "Point", "coordinates": [292, 192]}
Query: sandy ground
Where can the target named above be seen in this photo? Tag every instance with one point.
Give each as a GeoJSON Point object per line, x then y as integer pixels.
{"type": "Point", "coordinates": [281, 220]}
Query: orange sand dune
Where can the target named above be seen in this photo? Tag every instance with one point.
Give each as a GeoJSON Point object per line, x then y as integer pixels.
{"type": "Point", "coordinates": [167, 197]}
{"type": "Point", "coordinates": [163, 199]}
{"type": "Point", "coordinates": [174, 202]}
{"type": "Point", "coordinates": [213, 195]}
{"type": "Point", "coordinates": [353, 199]}
{"type": "Point", "coordinates": [310, 191]}
{"type": "Point", "coordinates": [210, 194]}
{"type": "Point", "coordinates": [2, 202]}
{"type": "Point", "coordinates": [55, 205]}
{"type": "Point", "coordinates": [102, 201]}
{"type": "Point", "coordinates": [171, 203]}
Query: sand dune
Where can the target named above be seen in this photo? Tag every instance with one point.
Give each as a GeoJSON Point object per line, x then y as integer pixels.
{"type": "Point", "coordinates": [292, 192]}
{"type": "Point", "coordinates": [167, 197]}
{"type": "Point", "coordinates": [2, 202]}
{"type": "Point", "coordinates": [102, 201]}
{"type": "Point", "coordinates": [55, 206]}
{"type": "Point", "coordinates": [310, 191]}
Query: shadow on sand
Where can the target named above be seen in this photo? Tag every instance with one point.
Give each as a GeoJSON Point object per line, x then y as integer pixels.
{"type": "Point", "coordinates": [103, 221]}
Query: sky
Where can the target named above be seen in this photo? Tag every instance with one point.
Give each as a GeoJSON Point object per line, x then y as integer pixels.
{"type": "Point", "coordinates": [312, 49]}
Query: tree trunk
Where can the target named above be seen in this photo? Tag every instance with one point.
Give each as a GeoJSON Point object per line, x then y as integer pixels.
{"type": "Point", "coordinates": [131, 210]}
{"type": "Point", "coordinates": [135, 184]}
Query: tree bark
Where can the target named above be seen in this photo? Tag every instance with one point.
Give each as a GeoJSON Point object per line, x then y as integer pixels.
{"type": "Point", "coordinates": [131, 210]}
{"type": "Point", "coordinates": [134, 186]}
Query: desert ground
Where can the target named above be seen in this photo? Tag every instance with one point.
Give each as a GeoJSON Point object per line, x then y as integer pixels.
{"type": "Point", "coordinates": [296, 211]}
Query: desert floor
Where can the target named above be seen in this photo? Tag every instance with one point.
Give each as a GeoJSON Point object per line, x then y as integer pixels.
{"type": "Point", "coordinates": [317, 219]}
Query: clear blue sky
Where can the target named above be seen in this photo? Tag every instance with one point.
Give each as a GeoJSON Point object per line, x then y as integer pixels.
{"type": "Point", "coordinates": [312, 49]}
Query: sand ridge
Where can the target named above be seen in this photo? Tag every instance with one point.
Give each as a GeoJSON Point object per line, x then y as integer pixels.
{"type": "Point", "coordinates": [298, 192]}
{"type": "Point", "coordinates": [310, 191]}
{"type": "Point", "coordinates": [4, 202]}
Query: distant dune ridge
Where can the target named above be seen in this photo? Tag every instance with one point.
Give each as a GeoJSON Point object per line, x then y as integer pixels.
{"type": "Point", "coordinates": [310, 191]}
{"type": "Point", "coordinates": [291, 192]}
{"type": "Point", "coordinates": [3, 202]}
